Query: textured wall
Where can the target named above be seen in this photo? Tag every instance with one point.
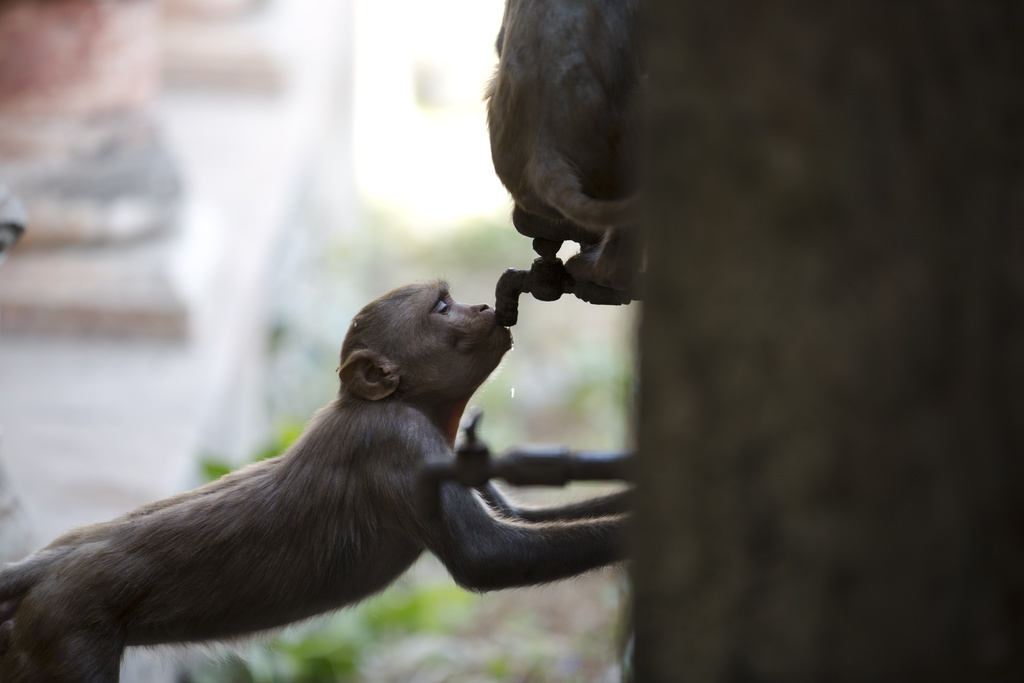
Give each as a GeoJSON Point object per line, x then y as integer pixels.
{"type": "Point", "coordinates": [832, 389]}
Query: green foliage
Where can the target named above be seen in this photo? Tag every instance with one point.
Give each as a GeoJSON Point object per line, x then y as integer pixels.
{"type": "Point", "coordinates": [332, 649]}
{"type": "Point", "coordinates": [212, 470]}
{"type": "Point", "coordinates": [487, 245]}
{"type": "Point", "coordinates": [285, 435]}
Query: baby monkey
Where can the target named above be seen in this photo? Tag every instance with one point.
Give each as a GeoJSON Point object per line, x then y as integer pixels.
{"type": "Point", "coordinates": [326, 524]}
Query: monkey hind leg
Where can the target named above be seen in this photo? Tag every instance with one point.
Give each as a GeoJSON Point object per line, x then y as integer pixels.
{"type": "Point", "coordinates": [76, 656]}
{"type": "Point", "coordinates": [613, 264]}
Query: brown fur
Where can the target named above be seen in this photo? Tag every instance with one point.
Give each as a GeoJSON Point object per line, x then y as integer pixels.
{"type": "Point", "coordinates": [560, 114]}
{"type": "Point", "coordinates": [324, 525]}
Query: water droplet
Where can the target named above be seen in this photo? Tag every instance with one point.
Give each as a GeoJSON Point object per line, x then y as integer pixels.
{"type": "Point", "coordinates": [512, 392]}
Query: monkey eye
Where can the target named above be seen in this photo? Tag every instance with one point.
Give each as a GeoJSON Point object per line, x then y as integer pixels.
{"type": "Point", "coordinates": [442, 306]}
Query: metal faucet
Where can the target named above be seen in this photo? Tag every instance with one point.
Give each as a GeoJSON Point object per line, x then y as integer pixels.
{"type": "Point", "coordinates": [547, 280]}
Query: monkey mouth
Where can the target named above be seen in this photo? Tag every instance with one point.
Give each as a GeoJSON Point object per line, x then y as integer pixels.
{"type": "Point", "coordinates": [505, 332]}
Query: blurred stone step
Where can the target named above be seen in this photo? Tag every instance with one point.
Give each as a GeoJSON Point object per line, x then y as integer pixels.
{"type": "Point", "coordinates": [160, 287]}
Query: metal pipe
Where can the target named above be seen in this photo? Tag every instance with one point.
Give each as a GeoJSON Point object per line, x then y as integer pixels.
{"type": "Point", "coordinates": [524, 466]}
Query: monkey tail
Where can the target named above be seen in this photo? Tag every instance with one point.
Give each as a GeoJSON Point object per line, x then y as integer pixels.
{"type": "Point", "coordinates": [558, 186]}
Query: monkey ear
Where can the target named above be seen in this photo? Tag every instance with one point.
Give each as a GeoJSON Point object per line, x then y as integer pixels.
{"type": "Point", "coordinates": [369, 375]}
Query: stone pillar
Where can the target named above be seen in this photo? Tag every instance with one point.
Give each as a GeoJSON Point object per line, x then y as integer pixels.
{"type": "Point", "coordinates": [14, 528]}
{"type": "Point", "coordinates": [12, 221]}
{"type": "Point", "coordinates": [208, 9]}
{"type": "Point", "coordinates": [80, 145]}
{"type": "Point", "coordinates": [77, 139]}
{"type": "Point", "coordinates": [221, 45]}
{"type": "Point", "coordinates": [832, 377]}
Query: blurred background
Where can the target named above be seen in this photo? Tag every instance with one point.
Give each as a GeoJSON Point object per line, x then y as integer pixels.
{"type": "Point", "coordinates": [214, 188]}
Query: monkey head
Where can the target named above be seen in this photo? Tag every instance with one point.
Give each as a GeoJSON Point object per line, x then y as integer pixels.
{"type": "Point", "coordinates": [417, 343]}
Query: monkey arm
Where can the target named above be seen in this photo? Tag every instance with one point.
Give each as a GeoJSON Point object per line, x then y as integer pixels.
{"type": "Point", "coordinates": [599, 506]}
{"type": "Point", "coordinates": [483, 552]}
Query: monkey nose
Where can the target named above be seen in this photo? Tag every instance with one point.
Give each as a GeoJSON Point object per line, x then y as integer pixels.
{"type": "Point", "coordinates": [480, 308]}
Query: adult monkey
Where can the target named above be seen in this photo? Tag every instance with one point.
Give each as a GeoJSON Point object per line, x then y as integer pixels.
{"type": "Point", "coordinates": [560, 110]}
{"type": "Point", "coordinates": [324, 525]}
